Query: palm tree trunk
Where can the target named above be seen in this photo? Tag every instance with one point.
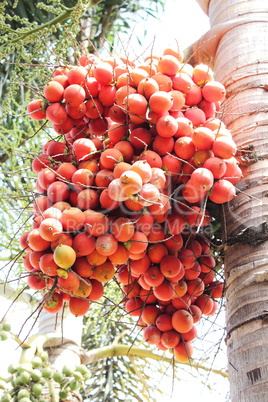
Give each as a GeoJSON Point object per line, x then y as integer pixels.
{"type": "Point", "coordinates": [63, 338]}
{"type": "Point", "coordinates": [237, 49]}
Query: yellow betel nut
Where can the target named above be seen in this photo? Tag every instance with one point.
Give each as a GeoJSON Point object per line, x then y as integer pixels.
{"type": "Point", "coordinates": [62, 273]}
{"type": "Point", "coordinates": [64, 256]}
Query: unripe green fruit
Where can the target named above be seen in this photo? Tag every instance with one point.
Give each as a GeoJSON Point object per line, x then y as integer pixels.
{"type": "Point", "coordinates": [24, 367]}
{"type": "Point", "coordinates": [12, 368]}
{"type": "Point", "coordinates": [25, 377]}
{"type": "Point", "coordinates": [63, 394]}
{"type": "Point", "coordinates": [23, 393]}
{"type": "Point", "coordinates": [25, 399]}
{"type": "Point", "coordinates": [6, 326]}
{"type": "Point", "coordinates": [47, 372]}
{"type": "Point", "coordinates": [44, 356]}
{"type": "Point", "coordinates": [2, 384]}
{"type": "Point", "coordinates": [58, 377]}
{"type": "Point", "coordinates": [37, 389]}
{"type": "Point", "coordinates": [36, 375]}
{"type": "Point", "coordinates": [74, 385]}
{"type": "Point", "coordinates": [77, 375]}
{"type": "Point", "coordinates": [17, 380]}
{"type": "Point", "coordinates": [5, 398]}
{"type": "Point", "coordinates": [42, 381]}
{"type": "Point", "coordinates": [82, 368]}
{"type": "Point", "coordinates": [12, 381]}
{"type": "Point", "coordinates": [67, 371]}
{"type": "Point", "coordinates": [36, 361]}
{"type": "Point", "coordinates": [3, 335]}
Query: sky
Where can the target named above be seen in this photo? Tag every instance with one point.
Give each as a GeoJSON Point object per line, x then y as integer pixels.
{"type": "Point", "coordinates": [182, 23]}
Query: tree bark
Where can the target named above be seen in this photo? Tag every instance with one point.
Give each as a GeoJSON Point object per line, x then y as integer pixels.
{"type": "Point", "coordinates": [239, 56]}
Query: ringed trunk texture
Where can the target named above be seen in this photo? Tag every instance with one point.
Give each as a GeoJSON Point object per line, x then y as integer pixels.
{"type": "Point", "coordinates": [236, 48]}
